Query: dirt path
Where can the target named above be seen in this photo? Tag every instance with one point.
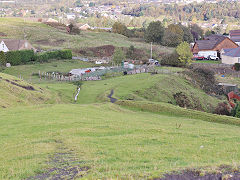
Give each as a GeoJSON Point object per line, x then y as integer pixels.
{"type": "Point", "coordinates": [63, 165]}
{"type": "Point", "coordinates": [113, 100]}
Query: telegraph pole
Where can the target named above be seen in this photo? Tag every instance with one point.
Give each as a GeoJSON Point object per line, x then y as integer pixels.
{"type": "Point", "coordinates": [151, 50]}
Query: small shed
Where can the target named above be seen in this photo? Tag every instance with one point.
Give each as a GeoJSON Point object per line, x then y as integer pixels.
{"type": "Point", "coordinates": [227, 88]}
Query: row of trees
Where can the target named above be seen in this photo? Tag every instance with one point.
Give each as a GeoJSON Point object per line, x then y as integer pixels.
{"type": "Point", "coordinates": [171, 36]}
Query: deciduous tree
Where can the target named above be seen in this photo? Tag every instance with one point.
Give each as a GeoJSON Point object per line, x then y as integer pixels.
{"type": "Point", "coordinates": [118, 56]}
{"type": "Point", "coordinates": [154, 32]}
{"type": "Point", "coordinates": [185, 53]}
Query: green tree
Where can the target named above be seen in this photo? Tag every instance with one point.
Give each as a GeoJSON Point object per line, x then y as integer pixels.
{"type": "Point", "coordinates": [187, 35]}
{"type": "Point", "coordinates": [173, 35]}
{"type": "Point", "coordinates": [209, 32]}
{"type": "Point", "coordinates": [185, 53]}
{"type": "Point", "coordinates": [197, 32]}
{"type": "Point", "coordinates": [154, 32]}
{"type": "Point", "coordinates": [130, 52]}
{"type": "Point", "coordinates": [119, 28]}
{"type": "Point", "coordinates": [118, 56]}
{"type": "Point", "coordinates": [3, 59]}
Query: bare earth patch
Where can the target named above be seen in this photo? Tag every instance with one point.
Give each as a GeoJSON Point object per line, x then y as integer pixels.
{"type": "Point", "coordinates": [63, 165]}
{"type": "Point", "coordinates": [223, 173]}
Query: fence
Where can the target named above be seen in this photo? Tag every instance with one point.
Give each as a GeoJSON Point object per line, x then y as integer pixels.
{"type": "Point", "coordinates": [97, 75]}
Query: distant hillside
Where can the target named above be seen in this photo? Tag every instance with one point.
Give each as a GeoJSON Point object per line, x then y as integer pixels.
{"type": "Point", "coordinates": [46, 37]}
{"type": "Point", "coordinates": [14, 91]}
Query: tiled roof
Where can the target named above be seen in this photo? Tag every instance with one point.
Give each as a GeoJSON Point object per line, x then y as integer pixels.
{"type": "Point", "coordinates": [210, 42]}
{"type": "Point", "coordinates": [233, 53]}
{"type": "Point", "coordinates": [234, 33]}
{"type": "Point", "coordinates": [14, 44]}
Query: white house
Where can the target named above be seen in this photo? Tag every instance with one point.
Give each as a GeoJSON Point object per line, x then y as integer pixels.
{"type": "Point", "coordinates": [71, 16]}
{"type": "Point", "coordinates": [3, 47]}
{"type": "Point", "coordinates": [14, 45]}
{"type": "Point", "coordinates": [231, 56]}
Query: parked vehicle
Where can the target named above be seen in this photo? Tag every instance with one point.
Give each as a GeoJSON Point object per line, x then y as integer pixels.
{"type": "Point", "coordinates": [199, 58]}
{"type": "Point", "coordinates": [214, 58]}
{"type": "Point", "coordinates": [152, 61]}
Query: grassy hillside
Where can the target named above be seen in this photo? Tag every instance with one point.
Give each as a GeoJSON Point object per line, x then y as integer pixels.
{"type": "Point", "coordinates": [43, 36]}
{"type": "Point", "coordinates": [109, 141]}
{"type": "Point", "coordinates": [14, 91]}
{"type": "Point", "coordinates": [158, 88]}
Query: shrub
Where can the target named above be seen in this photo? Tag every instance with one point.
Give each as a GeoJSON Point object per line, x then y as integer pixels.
{"type": "Point", "coordinates": [237, 66]}
{"type": "Point", "coordinates": [205, 79]}
{"type": "Point", "coordinates": [236, 111]}
{"type": "Point", "coordinates": [182, 100]}
{"type": "Point", "coordinates": [222, 109]}
{"type": "Point", "coordinates": [41, 57]}
{"type": "Point", "coordinates": [59, 54]}
{"type": "Point", "coordinates": [14, 57]}
{"type": "Point", "coordinates": [171, 60]}
{"type": "Point", "coordinates": [65, 54]}
{"type": "Point", "coordinates": [19, 57]}
{"type": "Point", "coordinates": [26, 56]}
{"type": "Point", "coordinates": [2, 58]}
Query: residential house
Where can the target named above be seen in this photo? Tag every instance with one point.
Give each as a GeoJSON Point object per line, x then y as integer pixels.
{"type": "Point", "coordinates": [83, 27]}
{"type": "Point", "coordinates": [212, 45]}
{"type": "Point", "coordinates": [71, 16]}
{"type": "Point", "coordinates": [231, 56]}
{"type": "Point", "coordinates": [235, 36]}
{"type": "Point", "coordinates": [14, 45]}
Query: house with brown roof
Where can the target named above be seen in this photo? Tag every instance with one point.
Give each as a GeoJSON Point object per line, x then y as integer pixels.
{"type": "Point", "coordinates": [212, 45]}
{"type": "Point", "coordinates": [14, 45]}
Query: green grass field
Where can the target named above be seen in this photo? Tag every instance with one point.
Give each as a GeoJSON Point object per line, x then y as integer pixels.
{"type": "Point", "coordinates": [44, 134]}
{"type": "Point", "coordinates": [112, 141]}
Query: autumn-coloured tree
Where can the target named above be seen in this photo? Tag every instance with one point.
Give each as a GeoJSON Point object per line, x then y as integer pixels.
{"type": "Point", "coordinates": [185, 53]}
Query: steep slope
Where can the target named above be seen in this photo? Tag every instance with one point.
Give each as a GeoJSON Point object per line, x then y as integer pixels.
{"type": "Point", "coordinates": [142, 87]}
{"type": "Point", "coordinates": [14, 91]}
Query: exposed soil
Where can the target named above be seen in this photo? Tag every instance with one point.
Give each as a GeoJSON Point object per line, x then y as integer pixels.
{"type": "Point", "coordinates": [101, 51]}
{"type": "Point", "coordinates": [108, 51]}
{"type": "Point", "coordinates": [221, 174]}
{"type": "Point", "coordinates": [58, 26]}
{"type": "Point", "coordinates": [64, 165]}
{"type": "Point", "coordinates": [31, 88]}
{"type": "Point", "coordinates": [113, 100]}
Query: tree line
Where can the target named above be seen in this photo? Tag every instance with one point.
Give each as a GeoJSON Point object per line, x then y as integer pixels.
{"type": "Point", "coordinates": [171, 36]}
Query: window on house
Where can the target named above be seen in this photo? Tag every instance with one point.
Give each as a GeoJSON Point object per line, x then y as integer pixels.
{"type": "Point", "coordinates": [238, 60]}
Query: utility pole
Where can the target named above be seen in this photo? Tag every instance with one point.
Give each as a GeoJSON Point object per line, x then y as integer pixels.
{"type": "Point", "coordinates": [151, 50]}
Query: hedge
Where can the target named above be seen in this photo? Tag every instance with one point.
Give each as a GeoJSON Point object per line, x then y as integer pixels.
{"type": "Point", "coordinates": [19, 57]}
{"type": "Point", "coordinates": [25, 56]}
{"type": "Point", "coordinates": [59, 54]}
